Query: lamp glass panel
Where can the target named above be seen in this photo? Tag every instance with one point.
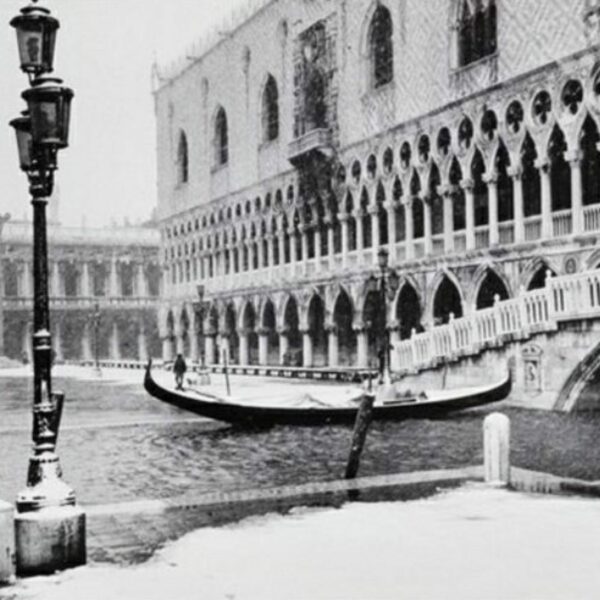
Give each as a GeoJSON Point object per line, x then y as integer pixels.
{"type": "Point", "coordinates": [45, 122]}
{"type": "Point", "coordinates": [31, 46]}
{"type": "Point", "coordinates": [25, 148]}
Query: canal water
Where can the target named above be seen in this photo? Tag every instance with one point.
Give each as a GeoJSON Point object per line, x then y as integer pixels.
{"type": "Point", "coordinates": [118, 444]}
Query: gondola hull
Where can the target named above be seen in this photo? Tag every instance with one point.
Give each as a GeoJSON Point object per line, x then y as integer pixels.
{"type": "Point", "coordinates": [251, 415]}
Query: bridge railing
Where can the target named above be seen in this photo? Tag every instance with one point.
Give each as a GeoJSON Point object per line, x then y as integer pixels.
{"type": "Point", "coordinates": [563, 298]}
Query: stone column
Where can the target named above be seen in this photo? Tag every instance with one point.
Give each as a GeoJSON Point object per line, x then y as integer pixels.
{"type": "Point", "coordinates": [344, 226]}
{"type": "Point", "coordinates": [86, 342]}
{"type": "Point", "coordinates": [142, 344]}
{"type": "Point", "coordinates": [209, 349]}
{"type": "Point", "coordinates": [375, 231]}
{"type": "Point", "coordinates": [28, 342]}
{"type": "Point", "coordinates": [307, 349]}
{"type": "Point", "coordinates": [448, 222]}
{"type": "Point", "coordinates": [362, 342]}
{"type": "Point", "coordinates": [263, 347]}
{"type": "Point", "coordinates": [544, 168]}
{"type": "Point", "coordinates": [358, 214]}
{"type": "Point", "coordinates": [271, 251]}
{"type": "Point", "coordinates": [304, 249]}
{"type": "Point", "coordinates": [391, 221]}
{"type": "Point", "coordinates": [410, 236]}
{"type": "Point", "coordinates": [427, 226]}
{"type": "Point", "coordinates": [492, 183]}
{"type": "Point", "coordinates": [517, 181]}
{"type": "Point", "coordinates": [113, 286]}
{"type": "Point", "coordinates": [467, 185]}
{"type": "Point", "coordinates": [56, 283]}
{"type": "Point", "coordinates": [244, 349]}
{"type": "Point", "coordinates": [333, 348]}
{"type": "Point", "coordinates": [293, 252]}
{"type": "Point", "coordinates": [27, 289]}
{"type": "Point", "coordinates": [261, 258]}
{"type": "Point", "coordinates": [576, 192]}
{"type": "Point", "coordinates": [193, 333]}
{"type": "Point", "coordinates": [167, 348]}
{"type": "Point", "coordinates": [57, 342]}
{"type": "Point", "coordinates": [225, 349]}
{"type": "Point", "coordinates": [317, 240]}
{"type": "Point", "coordinates": [284, 344]}
{"type": "Point", "coordinates": [85, 290]}
{"type": "Point", "coordinates": [115, 346]}
{"type": "Point", "coordinates": [142, 284]}
{"type": "Point", "coordinates": [330, 244]}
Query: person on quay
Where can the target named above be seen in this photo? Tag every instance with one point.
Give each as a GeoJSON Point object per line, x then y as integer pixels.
{"type": "Point", "coordinates": [179, 368]}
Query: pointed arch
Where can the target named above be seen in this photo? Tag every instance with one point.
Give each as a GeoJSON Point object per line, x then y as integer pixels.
{"type": "Point", "coordinates": [535, 273]}
{"type": "Point", "coordinates": [480, 190]}
{"type": "Point", "coordinates": [221, 138]}
{"type": "Point", "coordinates": [560, 171]}
{"type": "Point", "coordinates": [381, 47]}
{"type": "Point", "coordinates": [489, 284]}
{"type": "Point", "coordinates": [532, 185]}
{"type": "Point", "coordinates": [182, 159]}
{"type": "Point", "coordinates": [589, 139]}
{"type": "Point", "coordinates": [343, 320]}
{"type": "Point", "coordinates": [447, 298]}
{"type": "Point", "coordinates": [316, 330]}
{"type": "Point", "coordinates": [408, 310]}
{"type": "Point", "coordinates": [270, 110]}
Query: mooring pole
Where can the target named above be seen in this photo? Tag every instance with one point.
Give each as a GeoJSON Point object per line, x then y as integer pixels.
{"type": "Point", "coordinates": [226, 370]}
{"type": "Point", "coordinates": [361, 427]}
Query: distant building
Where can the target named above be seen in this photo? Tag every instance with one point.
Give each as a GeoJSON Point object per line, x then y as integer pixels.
{"type": "Point", "coordinates": [115, 268]}
{"type": "Point", "coordinates": [461, 135]}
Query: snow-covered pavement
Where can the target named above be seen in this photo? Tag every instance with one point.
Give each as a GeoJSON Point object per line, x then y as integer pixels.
{"type": "Point", "coordinates": [474, 542]}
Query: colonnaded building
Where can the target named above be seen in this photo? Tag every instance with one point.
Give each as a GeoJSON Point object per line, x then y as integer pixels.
{"type": "Point", "coordinates": [104, 291]}
{"type": "Point", "coordinates": [460, 135]}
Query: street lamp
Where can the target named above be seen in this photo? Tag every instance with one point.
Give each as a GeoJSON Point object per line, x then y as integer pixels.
{"type": "Point", "coordinates": [50, 529]}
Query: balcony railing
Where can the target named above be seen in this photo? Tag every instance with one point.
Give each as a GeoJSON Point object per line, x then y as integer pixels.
{"type": "Point", "coordinates": [506, 232]}
{"type": "Point", "coordinates": [591, 217]}
{"type": "Point", "coordinates": [562, 223]}
{"type": "Point", "coordinates": [533, 228]}
{"type": "Point", "coordinates": [482, 236]}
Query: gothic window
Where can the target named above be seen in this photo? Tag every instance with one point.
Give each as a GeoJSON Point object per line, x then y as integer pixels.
{"type": "Point", "coordinates": [270, 110]}
{"type": "Point", "coordinates": [477, 30]}
{"type": "Point", "coordinates": [182, 159]}
{"type": "Point", "coordinates": [381, 47]}
{"type": "Point", "coordinates": [221, 142]}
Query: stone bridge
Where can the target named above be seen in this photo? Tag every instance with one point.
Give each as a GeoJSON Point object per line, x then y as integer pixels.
{"type": "Point", "coordinates": [549, 338]}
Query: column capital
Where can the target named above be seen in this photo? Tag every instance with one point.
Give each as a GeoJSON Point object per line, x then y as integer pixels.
{"type": "Point", "coordinates": [491, 178]}
{"type": "Point", "coordinates": [574, 157]}
{"type": "Point", "coordinates": [467, 184]}
{"type": "Point", "coordinates": [543, 164]}
{"type": "Point", "coordinates": [516, 172]}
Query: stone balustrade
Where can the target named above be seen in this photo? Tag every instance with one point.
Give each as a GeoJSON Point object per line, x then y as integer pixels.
{"type": "Point", "coordinates": [565, 298]}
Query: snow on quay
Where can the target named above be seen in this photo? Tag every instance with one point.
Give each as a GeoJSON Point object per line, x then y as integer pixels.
{"type": "Point", "coordinates": [470, 543]}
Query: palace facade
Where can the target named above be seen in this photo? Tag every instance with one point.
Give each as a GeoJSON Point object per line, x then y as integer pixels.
{"type": "Point", "coordinates": [460, 135]}
{"type": "Point", "coordinates": [104, 291]}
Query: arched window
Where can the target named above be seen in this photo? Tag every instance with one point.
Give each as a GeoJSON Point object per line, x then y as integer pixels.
{"type": "Point", "coordinates": [270, 110]}
{"type": "Point", "coordinates": [221, 142]}
{"type": "Point", "coordinates": [477, 30]}
{"type": "Point", "coordinates": [182, 159]}
{"type": "Point", "coordinates": [381, 47]}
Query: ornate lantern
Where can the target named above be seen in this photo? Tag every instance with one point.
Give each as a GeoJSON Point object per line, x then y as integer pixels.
{"type": "Point", "coordinates": [36, 39]}
{"type": "Point", "coordinates": [50, 109]}
{"type": "Point", "coordinates": [22, 127]}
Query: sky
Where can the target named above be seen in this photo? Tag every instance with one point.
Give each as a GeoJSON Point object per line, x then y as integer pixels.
{"type": "Point", "coordinates": [105, 51]}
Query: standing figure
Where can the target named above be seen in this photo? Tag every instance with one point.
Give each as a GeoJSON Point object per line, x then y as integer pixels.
{"type": "Point", "coordinates": [179, 368]}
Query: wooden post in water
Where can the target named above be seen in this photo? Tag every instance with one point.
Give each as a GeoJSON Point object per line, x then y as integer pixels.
{"type": "Point", "coordinates": [361, 426]}
{"type": "Point", "coordinates": [226, 370]}
{"type": "Point", "coordinates": [496, 449]}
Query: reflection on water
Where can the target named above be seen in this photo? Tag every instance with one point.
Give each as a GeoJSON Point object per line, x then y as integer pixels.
{"type": "Point", "coordinates": [107, 457]}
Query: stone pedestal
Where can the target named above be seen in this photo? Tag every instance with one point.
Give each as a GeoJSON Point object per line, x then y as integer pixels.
{"type": "Point", "coordinates": [49, 540]}
{"type": "Point", "coordinates": [7, 543]}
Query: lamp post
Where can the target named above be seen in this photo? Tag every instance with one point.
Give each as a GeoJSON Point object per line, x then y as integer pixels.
{"type": "Point", "coordinates": [50, 529]}
{"type": "Point", "coordinates": [388, 284]}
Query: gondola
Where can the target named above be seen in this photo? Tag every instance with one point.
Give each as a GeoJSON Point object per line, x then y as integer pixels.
{"type": "Point", "coordinates": [304, 409]}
